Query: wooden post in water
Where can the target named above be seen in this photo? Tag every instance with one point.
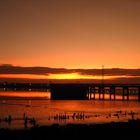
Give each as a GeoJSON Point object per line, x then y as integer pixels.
{"type": "Point", "coordinates": [112, 92]}
{"type": "Point", "coordinates": [94, 92]}
{"type": "Point", "coordinates": [138, 93]}
{"type": "Point", "coordinates": [99, 91]}
{"type": "Point", "coordinates": [125, 93]}
{"type": "Point", "coordinates": [103, 91]}
{"type": "Point", "coordinates": [90, 92]}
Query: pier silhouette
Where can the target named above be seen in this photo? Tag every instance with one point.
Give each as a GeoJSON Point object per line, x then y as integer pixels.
{"type": "Point", "coordinates": [76, 91]}
{"type": "Point", "coordinates": [69, 91]}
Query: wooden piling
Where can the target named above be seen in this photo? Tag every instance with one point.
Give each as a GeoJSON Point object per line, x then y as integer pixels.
{"type": "Point", "coordinates": [112, 92]}
{"type": "Point", "coordinates": [138, 93]}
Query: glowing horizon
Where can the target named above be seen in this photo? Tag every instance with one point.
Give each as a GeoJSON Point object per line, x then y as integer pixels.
{"type": "Point", "coordinates": [63, 76]}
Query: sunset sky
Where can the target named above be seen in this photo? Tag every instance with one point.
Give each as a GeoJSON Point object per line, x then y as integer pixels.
{"type": "Point", "coordinates": [70, 34]}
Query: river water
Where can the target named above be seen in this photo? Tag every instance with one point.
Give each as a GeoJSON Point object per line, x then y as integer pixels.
{"type": "Point", "coordinates": [47, 112]}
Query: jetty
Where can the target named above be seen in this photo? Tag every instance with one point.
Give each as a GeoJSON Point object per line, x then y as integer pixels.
{"type": "Point", "coordinates": [77, 91]}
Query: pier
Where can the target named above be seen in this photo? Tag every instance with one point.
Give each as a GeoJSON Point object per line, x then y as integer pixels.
{"type": "Point", "coordinates": [76, 91]}
{"type": "Point", "coordinates": [88, 91]}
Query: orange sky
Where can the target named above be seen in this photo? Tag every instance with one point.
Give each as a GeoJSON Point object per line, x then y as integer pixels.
{"type": "Point", "coordinates": [70, 33]}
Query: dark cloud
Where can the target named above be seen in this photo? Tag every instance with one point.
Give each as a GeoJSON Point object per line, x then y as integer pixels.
{"type": "Point", "coordinates": [9, 69]}
{"type": "Point", "coordinates": [110, 72]}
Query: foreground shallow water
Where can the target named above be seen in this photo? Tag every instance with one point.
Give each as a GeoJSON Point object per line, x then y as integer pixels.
{"type": "Point", "coordinates": [48, 112]}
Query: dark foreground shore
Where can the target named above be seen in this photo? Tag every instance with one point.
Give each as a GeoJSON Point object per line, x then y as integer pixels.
{"type": "Point", "coordinates": [121, 130]}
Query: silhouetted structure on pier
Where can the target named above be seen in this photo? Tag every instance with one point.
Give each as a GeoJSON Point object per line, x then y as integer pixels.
{"type": "Point", "coordinates": [69, 91]}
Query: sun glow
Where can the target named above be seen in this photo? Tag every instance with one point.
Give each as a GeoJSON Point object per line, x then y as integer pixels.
{"type": "Point", "coordinates": [69, 76]}
{"type": "Point", "coordinates": [63, 76]}
{"type": "Point", "coordinates": [80, 76]}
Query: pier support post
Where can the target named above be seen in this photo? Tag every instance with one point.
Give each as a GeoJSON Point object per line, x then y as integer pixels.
{"type": "Point", "coordinates": [88, 93]}
{"type": "Point", "coordinates": [125, 93]}
{"type": "Point", "coordinates": [94, 92]}
{"type": "Point", "coordinates": [90, 96]}
{"type": "Point", "coordinates": [103, 90]}
{"type": "Point", "coordinates": [112, 92]}
{"type": "Point", "coordinates": [99, 93]}
{"type": "Point", "coordinates": [139, 94]}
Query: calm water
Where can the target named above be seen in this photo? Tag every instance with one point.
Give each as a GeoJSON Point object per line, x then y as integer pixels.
{"type": "Point", "coordinates": [47, 112]}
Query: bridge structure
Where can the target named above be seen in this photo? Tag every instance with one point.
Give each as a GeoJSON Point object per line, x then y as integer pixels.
{"type": "Point", "coordinates": [79, 91]}
{"type": "Point", "coordinates": [124, 90]}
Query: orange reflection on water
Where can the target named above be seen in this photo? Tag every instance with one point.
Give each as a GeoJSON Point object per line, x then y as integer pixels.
{"type": "Point", "coordinates": [25, 94]}
{"type": "Point", "coordinates": [117, 97]}
{"type": "Point", "coordinates": [45, 110]}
